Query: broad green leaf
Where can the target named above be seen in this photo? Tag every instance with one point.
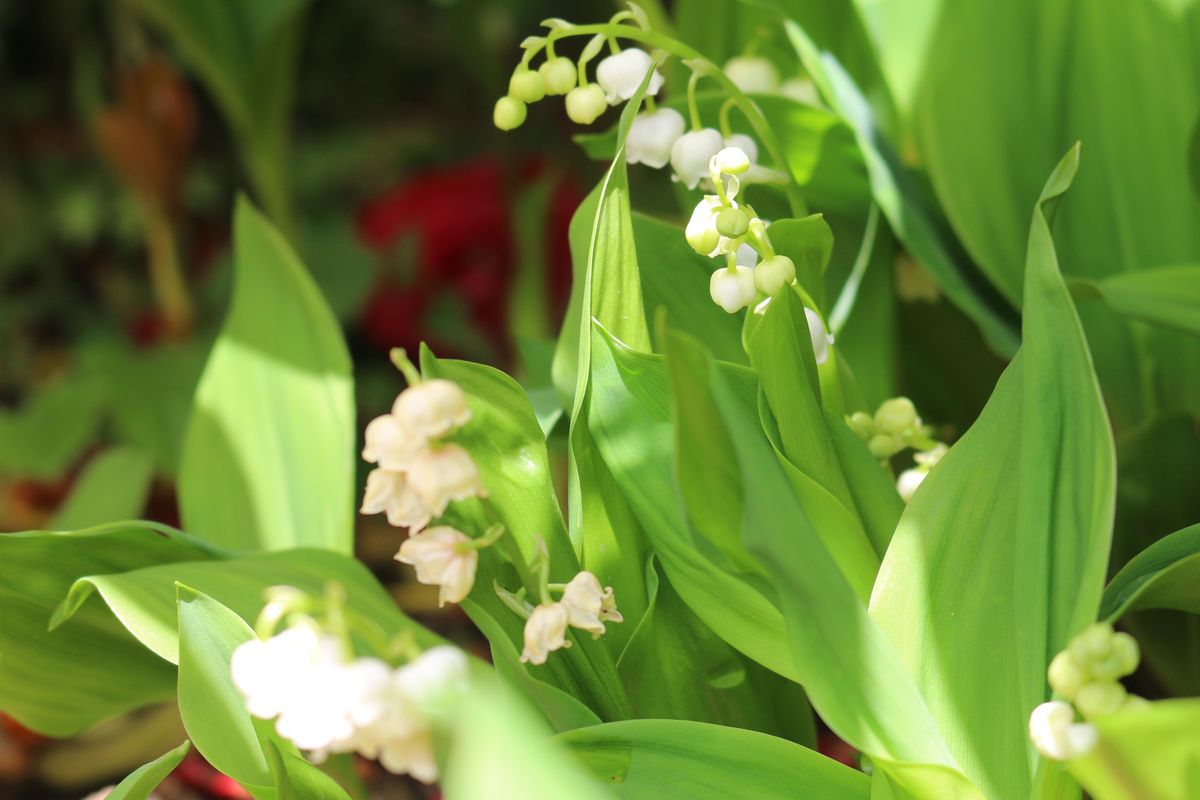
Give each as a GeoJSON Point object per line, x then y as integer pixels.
{"type": "Point", "coordinates": [268, 461]}
{"type": "Point", "coordinates": [213, 711]}
{"type": "Point", "coordinates": [112, 488]}
{"type": "Point", "coordinates": [246, 54]}
{"type": "Point", "coordinates": [654, 759]}
{"type": "Point", "coordinates": [1164, 575]}
{"type": "Point", "coordinates": [296, 779]}
{"type": "Point", "coordinates": [43, 437]}
{"type": "Point", "coordinates": [498, 749]}
{"type": "Point", "coordinates": [142, 782]}
{"type": "Point", "coordinates": [64, 681]}
{"type": "Point", "coordinates": [1149, 752]}
{"type": "Point", "coordinates": [1168, 296]}
{"type": "Point", "coordinates": [901, 202]}
{"type": "Point", "coordinates": [808, 242]}
{"type": "Point", "coordinates": [635, 433]}
{"type": "Point", "coordinates": [507, 444]}
{"type": "Point", "coordinates": [1004, 547]}
{"type": "Point", "coordinates": [852, 673]}
{"type": "Point", "coordinates": [143, 600]}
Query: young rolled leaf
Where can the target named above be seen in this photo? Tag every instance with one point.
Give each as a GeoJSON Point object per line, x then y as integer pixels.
{"type": "Point", "coordinates": [268, 462]}
{"type": "Point", "coordinates": [142, 782]}
{"type": "Point", "coordinates": [1004, 547]}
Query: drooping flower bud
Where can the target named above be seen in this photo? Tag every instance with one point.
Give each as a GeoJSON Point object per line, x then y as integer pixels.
{"type": "Point", "coordinates": [1099, 698]}
{"type": "Point", "coordinates": [908, 483]}
{"type": "Point", "coordinates": [822, 340]}
{"type": "Point", "coordinates": [744, 143]}
{"type": "Point", "coordinates": [752, 74]}
{"type": "Point", "coordinates": [444, 474]}
{"type": "Point", "coordinates": [732, 222]}
{"type": "Point", "coordinates": [701, 231]}
{"type": "Point", "coordinates": [622, 73]}
{"type": "Point", "coordinates": [585, 104]}
{"type": "Point", "coordinates": [589, 604]}
{"type": "Point", "coordinates": [1057, 735]}
{"type": "Point", "coordinates": [732, 290]}
{"type": "Point", "coordinates": [896, 416]}
{"type": "Point", "coordinates": [558, 75]}
{"type": "Point", "coordinates": [731, 161]}
{"type": "Point", "coordinates": [691, 153]}
{"type": "Point", "coordinates": [432, 408]}
{"type": "Point", "coordinates": [772, 274]}
{"type": "Point", "coordinates": [884, 446]}
{"type": "Point", "coordinates": [391, 492]}
{"type": "Point", "coordinates": [651, 137]}
{"type": "Point", "coordinates": [444, 558]}
{"type": "Point", "coordinates": [545, 631]}
{"type": "Point", "coordinates": [862, 423]}
{"type": "Point", "coordinates": [509, 113]}
{"type": "Point", "coordinates": [526, 86]}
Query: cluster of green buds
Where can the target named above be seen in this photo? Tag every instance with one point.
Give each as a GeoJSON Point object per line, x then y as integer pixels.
{"type": "Point", "coordinates": [1088, 672]}
{"type": "Point", "coordinates": [895, 426]}
{"type": "Point", "coordinates": [617, 76]}
{"type": "Point", "coordinates": [1087, 677]}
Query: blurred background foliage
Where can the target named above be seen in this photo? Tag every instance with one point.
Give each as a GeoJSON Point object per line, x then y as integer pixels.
{"type": "Point", "coordinates": [127, 129]}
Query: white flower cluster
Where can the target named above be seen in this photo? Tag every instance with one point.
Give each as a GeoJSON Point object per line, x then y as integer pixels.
{"type": "Point", "coordinates": [585, 604]}
{"type": "Point", "coordinates": [418, 476]}
{"type": "Point", "coordinates": [1087, 675]}
{"type": "Point", "coordinates": [911, 479]}
{"type": "Point", "coordinates": [325, 702]}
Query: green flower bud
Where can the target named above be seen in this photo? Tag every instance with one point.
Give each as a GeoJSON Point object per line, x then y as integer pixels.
{"type": "Point", "coordinates": [526, 85]}
{"type": "Point", "coordinates": [509, 113]}
{"type": "Point", "coordinates": [1099, 698]}
{"type": "Point", "coordinates": [862, 424]}
{"type": "Point", "coordinates": [732, 222]}
{"type": "Point", "coordinates": [1065, 676]}
{"type": "Point", "coordinates": [772, 274]}
{"type": "Point", "coordinates": [586, 103]}
{"type": "Point", "coordinates": [558, 75]}
{"type": "Point", "coordinates": [1126, 649]}
{"type": "Point", "coordinates": [896, 416]}
{"type": "Point", "coordinates": [884, 446]}
{"type": "Point", "coordinates": [1093, 643]}
{"type": "Point", "coordinates": [1133, 702]}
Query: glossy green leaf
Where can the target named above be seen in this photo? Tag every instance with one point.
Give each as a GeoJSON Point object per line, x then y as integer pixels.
{"type": "Point", "coordinates": [498, 749]}
{"type": "Point", "coordinates": [113, 487]}
{"type": "Point", "coordinates": [213, 711]}
{"type": "Point", "coordinates": [1004, 546]}
{"type": "Point", "coordinates": [1164, 575]}
{"type": "Point", "coordinates": [1149, 752]}
{"type": "Point", "coordinates": [808, 242]}
{"type": "Point", "coordinates": [64, 681]}
{"type": "Point", "coordinates": [297, 779]}
{"type": "Point", "coordinates": [654, 759]}
{"type": "Point", "coordinates": [852, 673]}
{"type": "Point", "coordinates": [143, 600]}
{"type": "Point", "coordinates": [906, 209]}
{"type": "Point", "coordinates": [1168, 296]}
{"type": "Point", "coordinates": [142, 782]}
{"type": "Point", "coordinates": [268, 461]}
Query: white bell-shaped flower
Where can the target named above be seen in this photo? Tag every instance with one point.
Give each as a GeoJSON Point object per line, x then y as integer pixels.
{"type": "Point", "coordinates": [589, 604]}
{"type": "Point", "coordinates": [391, 492]}
{"type": "Point", "coordinates": [268, 673]}
{"type": "Point", "coordinates": [622, 73]}
{"type": "Point", "coordinates": [908, 482]}
{"type": "Point", "coordinates": [732, 290]}
{"type": "Point", "coordinates": [443, 557]}
{"type": "Point", "coordinates": [410, 754]}
{"type": "Point", "coordinates": [435, 679]}
{"type": "Point", "coordinates": [443, 474]}
{"type": "Point", "coordinates": [802, 90]}
{"type": "Point", "coordinates": [390, 444]}
{"type": "Point", "coordinates": [752, 74]}
{"type": "Point", "coordinates": [773, 273]}
{"type": "Point", "coordinates": [431, 408]}
{"type": "Point", "coordinates": [1057, 735]}
{"type": "Point", "coordinates": [747, 256]}
{"type": "Point", "coordinates": [652, 136]}
{"type": "Point", "coordinates": [545, 631]}
{"type": "Point", "coordinates": [731, 161]}
{"type": "Point", "coordinates": [821, 338]}
{"type": "Point", "coordinates": [744, 143]}
{"type": "Point", "coordinates": [691, 153]}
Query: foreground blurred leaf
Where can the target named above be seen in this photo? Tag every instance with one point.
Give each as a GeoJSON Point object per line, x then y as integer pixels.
{"type": "Point", "coordinates": [268, 461]}
{"type": "Point", "coordinates": [142, 782]}
{"type": "Point", "coordinates": [1151, 752]}
{"type": "Point", "coordinates": [654, 759]}
{"type": "Point", "coordinates": [1004, 547]}
{"type": "Point", "coordinates": [112, 488]}
{"type": "Point", "coordinates": [297, 779]}
{"type": "Point", "coordinates": [64, 681]}
{"type": "Point", "coordinates": [1164, 575]}
{"type": "Point", "coordinates": [43, 437]}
